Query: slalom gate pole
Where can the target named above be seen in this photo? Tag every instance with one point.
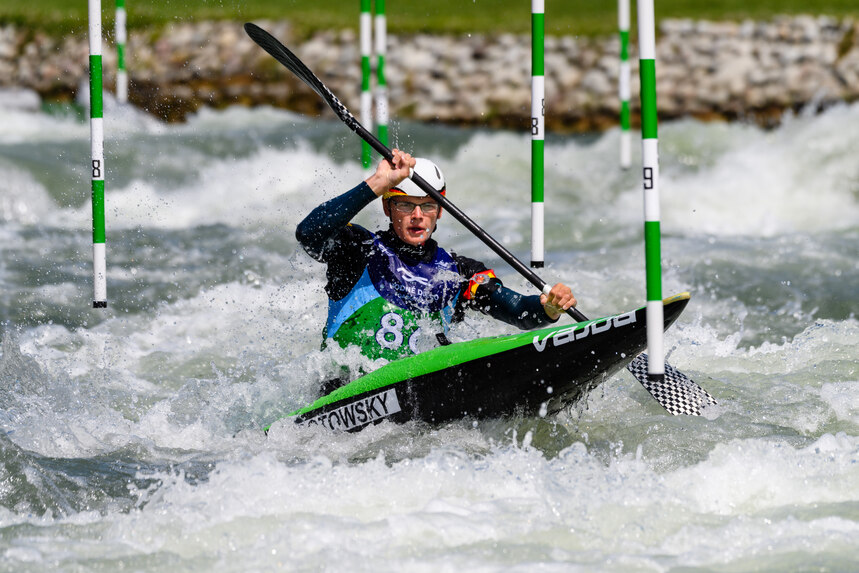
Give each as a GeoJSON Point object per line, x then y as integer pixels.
{"type": "Point", "coordinates": [624, 84]}
{"type": "Point", "coordinates": [121, 37]}
{"type": "Point", "coordinates": [97, 155]}
{"type": "Point", "coordinates": [650, 164]}
{"type": "Point", "coordinates": [381, 83]}
{"type": "Point", "coordinates": [366, 40]}
{"type": "Point", "coordinates": [538, 129]}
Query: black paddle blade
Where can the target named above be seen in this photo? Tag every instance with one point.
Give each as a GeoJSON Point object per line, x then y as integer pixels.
{"type": "Point", "coordinates": [676, 392]}
{"type": "Point", "coordinates": [283, 55]}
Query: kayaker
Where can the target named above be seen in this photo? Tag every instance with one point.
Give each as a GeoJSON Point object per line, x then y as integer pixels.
{"type": "Point", "coordinates": [394, 292]}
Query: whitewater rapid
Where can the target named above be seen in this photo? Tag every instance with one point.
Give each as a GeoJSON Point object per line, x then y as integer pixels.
{"type": "Point", "coordinates": [131, 437]}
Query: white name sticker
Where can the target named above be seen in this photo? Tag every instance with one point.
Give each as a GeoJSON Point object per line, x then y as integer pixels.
{"type": "Point", "coordinates": [571, 334]}
{"type": "Point", "coordinates": [358, 413]}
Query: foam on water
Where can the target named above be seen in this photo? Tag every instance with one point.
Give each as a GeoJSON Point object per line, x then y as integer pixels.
{"type": "Point", "coordinates": [27, 126]}
{"type": "Point", "coordinates": [23, 200]}
{"type": "Point", "coordinates": [794, 179]}
{"type": "Point", "coordinates": [131, 436]}
{"type": "Point", "coordinates": [511, 508]}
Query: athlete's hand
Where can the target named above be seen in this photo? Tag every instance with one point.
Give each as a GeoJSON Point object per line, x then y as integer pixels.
{"type": "Point", "coordinates": [558, 300]}
{"type": "Point", "coordinates": [390, 173]}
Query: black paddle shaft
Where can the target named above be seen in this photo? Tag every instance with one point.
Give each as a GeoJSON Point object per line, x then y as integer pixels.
{"type": "Point", "coordinates": [283, 55]}
{"type": "Point", "coordinates": [490, 242]}
{"type": "Point", "coordinates": [676, 392]}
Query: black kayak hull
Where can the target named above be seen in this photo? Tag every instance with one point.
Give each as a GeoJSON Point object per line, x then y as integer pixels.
{"type": "Point", "coordinates": [531, 373]}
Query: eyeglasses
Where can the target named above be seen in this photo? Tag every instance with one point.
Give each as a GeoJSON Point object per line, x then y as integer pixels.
{"type": "Point", "coordinates": [407, 207]}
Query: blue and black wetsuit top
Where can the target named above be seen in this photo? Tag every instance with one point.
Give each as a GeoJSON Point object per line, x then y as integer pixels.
{"type": "Point", "coordinates": [390, 298]}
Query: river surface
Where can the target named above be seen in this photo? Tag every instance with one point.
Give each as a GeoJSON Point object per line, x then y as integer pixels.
{"type": "Point", "coordinates": [130, 437]}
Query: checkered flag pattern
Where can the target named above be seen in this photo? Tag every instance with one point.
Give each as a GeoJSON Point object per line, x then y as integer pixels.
{"type": "Point", "coordinates": [675, 392]}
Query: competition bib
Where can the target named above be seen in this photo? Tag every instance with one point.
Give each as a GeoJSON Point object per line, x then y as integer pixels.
{"type": "Point", "coordinates": [392, 306]}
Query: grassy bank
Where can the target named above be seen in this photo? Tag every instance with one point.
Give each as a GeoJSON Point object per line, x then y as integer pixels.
{"type": "Point", "coordinates": [567, 17]}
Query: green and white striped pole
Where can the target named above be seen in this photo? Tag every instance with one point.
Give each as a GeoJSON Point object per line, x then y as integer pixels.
{"type": "Point", "coordinates": [624, 84]}
{"type": "Point", "coordinates": [381, 83]}
{"type": "Point", "coordinates": [366, 115]}
{"type": "Point", "coordinates": [99, 265]}
{"type": "Point", "coordinates": [121, 37]}
{"type": "Point", "coordinates": [650, 163]}
{"type": "Point", "coordinates": [538, 129]}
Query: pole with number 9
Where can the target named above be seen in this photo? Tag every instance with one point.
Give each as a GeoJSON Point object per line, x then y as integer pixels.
{"type": "Point", "coordinates": [650, 163]}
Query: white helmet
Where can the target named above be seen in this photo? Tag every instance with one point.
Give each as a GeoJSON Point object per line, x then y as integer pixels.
{"type": "Point", "coordinates": [429, 171]}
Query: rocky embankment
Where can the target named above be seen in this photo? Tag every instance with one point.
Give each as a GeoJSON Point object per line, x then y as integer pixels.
{"type": "Point", "coordinates": [753, 70]}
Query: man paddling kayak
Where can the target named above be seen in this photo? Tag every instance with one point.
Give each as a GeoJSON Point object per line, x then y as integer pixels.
{"type": "Point", "coordinates": [392, 291]}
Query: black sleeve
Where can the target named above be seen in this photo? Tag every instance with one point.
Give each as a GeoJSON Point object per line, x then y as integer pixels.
{"type": "Point", "coordinates": [468, 267]}
{"type": "Point", "coordinates": [498, 301]}
{"type": "Point", "coordinates": [522, 311]}
{"type": "Point", "coordinates": [326, 235]}
{"type": "Point", "coordinates": [319, 232]}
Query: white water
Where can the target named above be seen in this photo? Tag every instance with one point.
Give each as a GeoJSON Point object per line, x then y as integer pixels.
{"type": "Point", "coordinates": [131, 436]}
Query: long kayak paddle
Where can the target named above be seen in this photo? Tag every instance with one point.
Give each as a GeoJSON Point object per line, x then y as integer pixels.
{"type": "Point", "coordinates": [675, 391]}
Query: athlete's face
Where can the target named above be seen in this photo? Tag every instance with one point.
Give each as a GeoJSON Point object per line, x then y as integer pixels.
{"type": "Point", "coordinates": [413, 218]}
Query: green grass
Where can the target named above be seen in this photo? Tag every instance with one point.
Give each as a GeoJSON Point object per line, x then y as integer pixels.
{"type": "Point", "coordinates": [568, 17]}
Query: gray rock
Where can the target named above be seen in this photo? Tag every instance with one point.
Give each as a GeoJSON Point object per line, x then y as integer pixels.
{"type": "Point", "coordinates": [703, 68]}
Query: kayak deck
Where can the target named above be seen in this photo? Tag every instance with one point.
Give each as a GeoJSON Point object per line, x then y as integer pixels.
{"type": "Point", "coordinates": [529, 373]}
